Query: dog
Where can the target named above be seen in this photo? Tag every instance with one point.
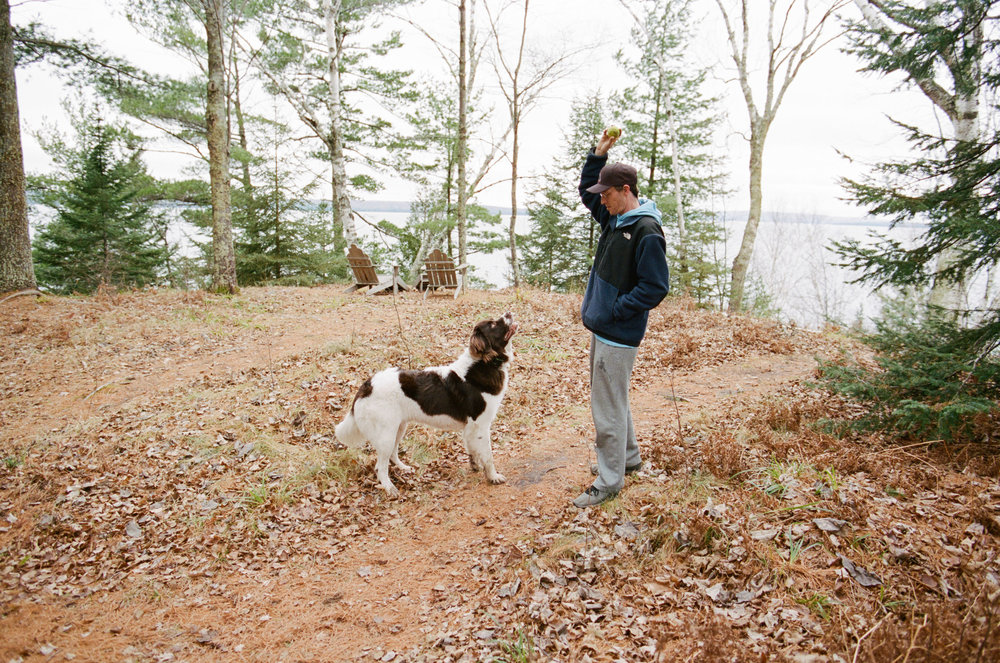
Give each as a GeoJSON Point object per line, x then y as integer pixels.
{"type": "Point", "coordinates": [464, 395]}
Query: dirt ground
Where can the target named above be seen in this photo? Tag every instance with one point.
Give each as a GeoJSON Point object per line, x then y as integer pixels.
{"type": "Point", "coordinates": [171, 490]}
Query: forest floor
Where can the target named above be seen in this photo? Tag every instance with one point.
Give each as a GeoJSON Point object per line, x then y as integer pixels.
{"type": "Point", "coordinates": [171, 490]}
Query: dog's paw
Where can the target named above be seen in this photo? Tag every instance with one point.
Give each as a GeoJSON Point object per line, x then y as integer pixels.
{"type": "Point", "coordinates": [498, 478]}
{"type": "Point", "coordinates": [403, 467]}
{"type": "Point", "coordinates": [391, 491]}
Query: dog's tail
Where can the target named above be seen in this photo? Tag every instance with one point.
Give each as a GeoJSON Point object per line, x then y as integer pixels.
{"type": "Point", "coordinates": [348, 432]}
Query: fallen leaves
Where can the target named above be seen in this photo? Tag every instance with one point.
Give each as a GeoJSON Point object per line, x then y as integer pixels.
{"type": "Point", "coordinates": [208, 477]}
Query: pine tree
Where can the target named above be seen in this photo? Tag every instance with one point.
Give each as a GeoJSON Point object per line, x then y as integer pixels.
{"type": "Point", "coordinates": [281, 237]}
{"type": "Point", "coordinates": [558, 250]}
{"type": "Point", "coordinates": [669, 124]}
{"type": "Point", "coordinates": [938, 373]}
{"type": "Point", "coordinates": [103, 232]}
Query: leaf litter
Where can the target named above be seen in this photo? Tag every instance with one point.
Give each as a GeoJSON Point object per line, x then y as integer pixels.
{"type": "Point", "coordinates": [171, 490]}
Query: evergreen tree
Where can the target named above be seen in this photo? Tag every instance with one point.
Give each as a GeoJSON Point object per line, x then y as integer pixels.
{"type": "Point", "coordinates": [103, 232]}
{"type": "Point", "coordinates": [669, 123]}
{"type": "Point", "coordinates": [281, 237]}
{"type": "Point", "coordinates": [558, 250]}
{"type": "Point", "coordinates": [939, 372]}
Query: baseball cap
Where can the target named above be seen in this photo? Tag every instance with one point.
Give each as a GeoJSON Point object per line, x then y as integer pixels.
{"type": "Point", "coordinates": [616, 174]}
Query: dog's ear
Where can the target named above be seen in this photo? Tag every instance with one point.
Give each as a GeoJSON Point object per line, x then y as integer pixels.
{"type": "Point", "coordinates": [480, 346]}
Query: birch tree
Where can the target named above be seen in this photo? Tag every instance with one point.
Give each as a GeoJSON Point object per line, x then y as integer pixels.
{"type": "Point", "coordinates": [670, 122]}
{"type": "Point", "coordinates": [794, 34]}
{"type": "Point", "coordinates": [317, 55]}
{"type": "Point", "coordinates": [475, 153]}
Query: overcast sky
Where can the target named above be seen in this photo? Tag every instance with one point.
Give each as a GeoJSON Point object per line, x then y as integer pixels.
{"type": "Point", "coordinates": [830, 107]}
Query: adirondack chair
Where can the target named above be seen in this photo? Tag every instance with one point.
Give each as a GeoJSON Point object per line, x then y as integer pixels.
{"type": "Point", "coordinates": [442, 274]}
{"type": "Point", "coordinates": [366, 277]}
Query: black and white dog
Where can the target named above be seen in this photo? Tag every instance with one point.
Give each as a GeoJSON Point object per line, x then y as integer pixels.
{"type": "Point", "coordinates": [465, 396]}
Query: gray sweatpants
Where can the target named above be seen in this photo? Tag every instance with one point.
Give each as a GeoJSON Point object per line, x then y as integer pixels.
{"type": "Point", "coordinates": [610, 371]}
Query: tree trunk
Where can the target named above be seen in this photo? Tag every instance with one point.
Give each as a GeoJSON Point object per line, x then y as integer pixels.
{"type": "Point", "coordinates": [741, 264]}
{"type": "Point", "coordinates": [16, 270]}
{"type": "Point", "coordinates": [949, 295]}
{"type": "Point", "coordinates": [784, 62]}
{"type": "Point", "coordinates": [514, 266]}
{"type": "Point", "coordinates": [463, 136]}
{"type": "Point", "coordinates": [675, 156]}
{"type": "Point", "coordinates": [217, 118]}
{"type": "Point", "coordinates": [241, 132]}
{"type": "Point", "coordinates": [342, 213]}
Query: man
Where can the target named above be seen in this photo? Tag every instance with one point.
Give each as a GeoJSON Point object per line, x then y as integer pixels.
{"type": "Point", "coordinates": [629, 277]}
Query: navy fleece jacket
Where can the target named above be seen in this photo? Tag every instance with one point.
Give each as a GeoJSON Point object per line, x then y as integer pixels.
{"type": "Point", "coordinates": [630, 275]}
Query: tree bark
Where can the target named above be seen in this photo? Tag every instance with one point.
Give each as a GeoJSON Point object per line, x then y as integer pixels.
{"type": "Point", "coordinates": [463, 136]}
{"type": "Point", "coordinates": [784, 61]}
{"type": "Point", "coordinates": [342, 212]}
{"type": "Point", "coordinates": [741, 264]}
{"type": "Point", "coordinates": [16, 269]}
{"type": "Point", "coordinates": [217, 120]}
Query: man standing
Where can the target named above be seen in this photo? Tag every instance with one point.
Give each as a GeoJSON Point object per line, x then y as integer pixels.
{"type": "Point", "coordinates": [629, 277]}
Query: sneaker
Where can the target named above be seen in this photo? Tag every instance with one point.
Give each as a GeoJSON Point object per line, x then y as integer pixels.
{"type": "Point", "coordinates": [592, 496]}
{"type": "Point", "coordinates": [629, 469]}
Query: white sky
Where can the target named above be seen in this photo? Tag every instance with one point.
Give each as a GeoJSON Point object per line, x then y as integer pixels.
{"type": "Point", "coordinates": [830, 107]}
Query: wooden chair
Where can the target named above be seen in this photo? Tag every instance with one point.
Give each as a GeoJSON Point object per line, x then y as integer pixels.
{"type": "Point", "coordinates": [366, 277]}
{"type": "Point", "coordinates": [442, 274]}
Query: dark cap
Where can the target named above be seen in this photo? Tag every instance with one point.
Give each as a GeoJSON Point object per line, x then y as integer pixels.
{"type": "Point", "coordinates": [616, 174]}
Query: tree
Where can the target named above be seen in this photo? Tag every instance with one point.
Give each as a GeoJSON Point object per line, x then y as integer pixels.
{"type": "Point", "coordinates": [669, 123]}
{"type": "Point", "coordinates": [16, 270]}
{"type": "Point", "coordinates": [521, 82]}
{"type": "Point", "coordinates": [559, 248]}
{"type": "Point", "coordinates": [323, 69]}
{"type": "Point", "coordinates": [938, 373]}
{"type": "Point", "coordinates": [172, 24]}
{"type": "Point", "coordinates": [939, 48]}
{"type": "Point", "coordinates": [103, 232]}
{"type": "Point", "coordinates": [280, 236]}
{"type": "Point", "coordinates": [790, 42]}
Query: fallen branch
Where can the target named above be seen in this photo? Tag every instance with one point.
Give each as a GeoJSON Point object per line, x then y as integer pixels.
{"type": "Point", "coordinates": [22, 293]}
{"type": "Point", "coordinates": [857, 649]}
{"type": "Point", "coordinates": [103, 386]}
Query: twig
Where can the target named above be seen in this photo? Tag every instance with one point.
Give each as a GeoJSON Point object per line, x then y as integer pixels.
{"type": "Point", "coordinates": [21, 293]}
{"type": "Point", "coordinates": [677, 411]}
{"type": "Point", "coordinates": [103, 386]}
{"type": "Point", "coordinates": [907, 446]}
{"type": "Point", "coordinates": [913, 640]}
{"type": "Point", "coordinates": [399, 319]}
{"type": "Point", "coordinates": [857, 649]}
{"type": "Point", "coordinates": [270, 366]}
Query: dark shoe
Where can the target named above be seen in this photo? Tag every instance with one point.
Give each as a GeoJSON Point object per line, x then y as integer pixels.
{"type": "Point", "coordinates": [592, 496]}
{"type": "Point", "coordinates": [629, 469]}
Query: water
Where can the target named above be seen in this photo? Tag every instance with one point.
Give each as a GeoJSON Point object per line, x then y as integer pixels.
{"type": "Point", "coordinates": [791, 260]}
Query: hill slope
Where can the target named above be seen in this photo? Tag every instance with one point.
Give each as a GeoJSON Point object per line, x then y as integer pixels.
{"type": "Point", "coordinates": [171, 490]}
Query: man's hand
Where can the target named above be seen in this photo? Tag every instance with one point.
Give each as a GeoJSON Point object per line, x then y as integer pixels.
{"type": "Point", "coordinates": [607, 140]}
